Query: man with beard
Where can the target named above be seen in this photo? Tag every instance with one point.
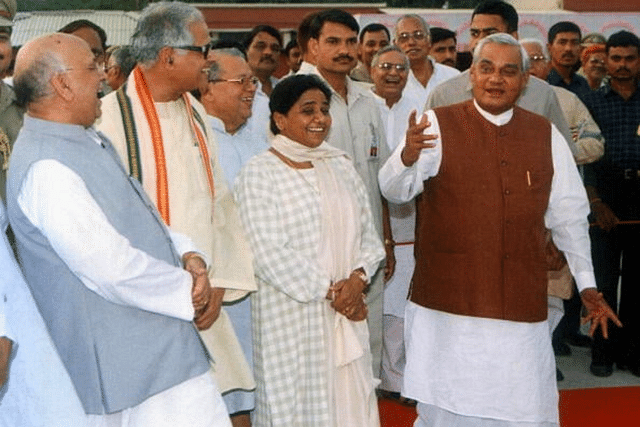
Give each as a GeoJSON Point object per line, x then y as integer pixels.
{"type": "Point", "coordinates": [613, 186]}
{"type": "Point", "coordinates": [413, 37]}
{"type": "Point", "coordinates": [564, 49]}
{"type": "Point", "coordinates": [356, 129]}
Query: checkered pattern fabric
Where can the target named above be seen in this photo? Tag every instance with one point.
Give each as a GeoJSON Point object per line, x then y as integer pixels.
{"type": "Point", "coordinates": [280, 210]}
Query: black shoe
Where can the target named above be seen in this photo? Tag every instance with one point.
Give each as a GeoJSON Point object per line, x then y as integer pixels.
{"type": "Point", "coordinates": [578, 340]}
{"type": "Point", "coordinates": [559, 376]}
{"type": "Point", "coordinates": [601, 370]}
{"type": "Point", "coordinates": [560, 348]}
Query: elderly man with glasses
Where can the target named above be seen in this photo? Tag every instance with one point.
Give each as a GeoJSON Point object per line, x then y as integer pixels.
{"type": "Point", "coordinates": [413, 37]}
{"type": "Point", "coordinates": [160, 132]}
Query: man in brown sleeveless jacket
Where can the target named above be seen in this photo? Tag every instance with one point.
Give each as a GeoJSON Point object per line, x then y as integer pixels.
{"type": "Point", "coordinates": [488, 177]}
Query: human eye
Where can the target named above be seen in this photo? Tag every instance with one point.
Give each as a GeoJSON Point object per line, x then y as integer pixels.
{"type": "Point", "coordinates": [474, 33]}
{"type": "Point", "coordinates": [403, 37]}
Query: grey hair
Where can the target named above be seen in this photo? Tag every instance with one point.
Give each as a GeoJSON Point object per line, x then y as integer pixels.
{"type": "Point", "coordinates": [163, 24]}
{"type": "Point", "coordinates": [545, 51]}
{"type": "Point", "coordinates": [33, 83]}
{"type": "Point", "coordinates": [215, 70]}
{"type": "Point", "coordinates": [418, 18]}
{"type": "Point", "coordinates": [124, 59]}
{"type": "Point", "coordinates": [390, 48]}
{"type": "Point", "coordinates": [503, 39]}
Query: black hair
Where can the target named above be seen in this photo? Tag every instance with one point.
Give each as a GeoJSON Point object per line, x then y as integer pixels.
{"type": "Point", "coordinates": [563, 27]}
{"type": "Point", "coordinates": [623, 39]}
{"type": "Point", "coordinates": [438, 34]}
{"type": "Point", "coordinates": [262, 29]}
{"type": "Point", "coordinates": [498, 7]}
{"type": "Point", "coordinates": [289, 90]}
{"type": "Point", "coordinates": [292, 43]}
{"type": "Point", "coordinates": [84, 23]}
{"type": "Point", "coordinates": [336, 16]}
{"type": "Point", "coordinates": [374, 28]}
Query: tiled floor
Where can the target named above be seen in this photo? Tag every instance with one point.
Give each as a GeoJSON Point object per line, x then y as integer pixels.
{"type": "Point", "coordinates": [576, 372]}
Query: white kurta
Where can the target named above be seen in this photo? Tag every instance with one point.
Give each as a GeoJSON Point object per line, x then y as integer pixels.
{"type": "Point", "coordinates": [212, 224]}
{"type": "Point", "coordinates": [280, 209]}
{"type": "Point", "coordinates": [491, 368]}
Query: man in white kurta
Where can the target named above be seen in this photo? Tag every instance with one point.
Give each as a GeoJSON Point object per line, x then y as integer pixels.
{"type": "Point", "coordinates": [395, 104]}
{"type": "Point", "coordinates": [475, 370]}
{"type": "Point", "coordinates": [174, 142]}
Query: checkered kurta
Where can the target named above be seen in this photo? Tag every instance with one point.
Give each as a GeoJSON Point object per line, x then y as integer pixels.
{"type": "Point", "coordinates": [280, 210]}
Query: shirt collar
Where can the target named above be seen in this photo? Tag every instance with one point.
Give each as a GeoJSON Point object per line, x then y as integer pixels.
{"type": "Point", "coordinates": [498, 120]}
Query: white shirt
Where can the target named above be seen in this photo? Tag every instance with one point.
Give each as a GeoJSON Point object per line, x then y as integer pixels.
{"type": "Point", "coordinates": [440, 74]}
{"type": "Point", "coordinates": [57, 202]}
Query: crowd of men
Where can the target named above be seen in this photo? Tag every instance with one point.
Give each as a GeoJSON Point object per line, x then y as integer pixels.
{"type": "Point", "coordinates": [504, 185]}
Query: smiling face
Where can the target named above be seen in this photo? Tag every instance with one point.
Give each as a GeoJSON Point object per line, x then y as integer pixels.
{"type": "Point", "coordinates": [187, 65]}
{"type": "Point", "coordinates": [538, 64]}
{"type": "Point", "coordinates": [497, 77]}
{"type": "Point", "coordinates": [263, 54]}
{"type": "Point", "coordinates": [308, 121]}
{"type": "Point", "coordinates": [412, 38]}
{"type": "Point", "coordinates": [372, 42]}
{"type": "Point", "coordinates": [335, 49]}
{"type": "Point", "coordinates": [230, 101]}
{"type": "Point", "coordinates": [388, 80]}
{"type": "Point", "coordinates": [595, 67]}
{"type": "Point", "coordinates": [83, 79]}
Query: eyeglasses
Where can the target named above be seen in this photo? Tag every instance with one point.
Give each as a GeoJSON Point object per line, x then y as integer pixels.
{"type": "Point", "coordinates": [244, 81]}
{"type": "Point", "coordinates": [94, 68]}
{"type": "Point", "coordinates": [537, 58]}
{"type": "Point", "coordinates": [388, 66]}
{"type": "Point", "coordinates": [596, 61]}
{"type": "Point", "coordinates": [262, 46]}
{"type": "Point", "coordinates": [416, 35]}
{"type": "Point", "coordinates": [204, 50]}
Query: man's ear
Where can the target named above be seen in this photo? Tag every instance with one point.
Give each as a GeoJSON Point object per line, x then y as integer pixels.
{"type": "Point", "coordinates": [313, 46]}
{"type": "Point", "coordinates": [60, 85]}
{"type": "Point", "coordinates": [165, 56]}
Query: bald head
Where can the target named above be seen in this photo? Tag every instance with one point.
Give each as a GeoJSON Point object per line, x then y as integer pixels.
{"type": "Point", "coordinates": [57, 79]}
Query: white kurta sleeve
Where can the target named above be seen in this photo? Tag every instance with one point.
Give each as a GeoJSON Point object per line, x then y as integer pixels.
{"type": "Point", "coordinates": [400, 184]}
{"type": "Point", "coordinates": [276, 262]}
{"type": "Point", "coordinates": [58, 203]}
{"type": "Point", "coordinates": [567, 213]}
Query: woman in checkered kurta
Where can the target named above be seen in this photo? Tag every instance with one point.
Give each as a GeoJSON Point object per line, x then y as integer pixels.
{"type": "Point", "coordinates": [280, 207]}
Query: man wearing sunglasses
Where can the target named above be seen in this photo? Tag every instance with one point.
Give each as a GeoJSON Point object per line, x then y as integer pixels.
{"type": "Point", "coordinates": [413, 37]}
{"type": "Point", "coordinates": [159, 129]}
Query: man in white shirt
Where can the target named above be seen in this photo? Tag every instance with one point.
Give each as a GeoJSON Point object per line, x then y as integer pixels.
{"type": "Point", "coordinates": [390, 68]}
{"type": "Point", "coordinates": [413, 37]}
{"type": "Point", "coordinates": [356, 129]}
{"type": "Point", "coordinates": [478, 345]}
{"type": "Point", "coordinates": [104, 270]}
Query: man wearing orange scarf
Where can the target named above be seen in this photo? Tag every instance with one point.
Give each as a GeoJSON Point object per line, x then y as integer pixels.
{"type": "Point", "coordinates": [157, 128]}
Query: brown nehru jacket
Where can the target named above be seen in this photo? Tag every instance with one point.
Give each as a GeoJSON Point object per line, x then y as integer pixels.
{"type": "Point", "coordinates": [480, 235]}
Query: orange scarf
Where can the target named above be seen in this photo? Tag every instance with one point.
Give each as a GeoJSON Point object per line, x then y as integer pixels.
{"type": "Point", "coordinates": [162, 183]}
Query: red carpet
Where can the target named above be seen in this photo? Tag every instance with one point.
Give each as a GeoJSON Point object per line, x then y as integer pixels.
{"type": "Point", "coordinates": [602, 407]}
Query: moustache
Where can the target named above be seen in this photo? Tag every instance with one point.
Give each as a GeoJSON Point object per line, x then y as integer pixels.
{"type": "Point", "coordinates": [623, 69]}
{"type": "Point", "coordinates": [267, 58]}
{"type": "Point", "coordinates": [341, 57]}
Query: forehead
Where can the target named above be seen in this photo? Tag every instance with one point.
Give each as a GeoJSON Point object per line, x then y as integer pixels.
{"type": "Point", "coordinates": [501, 55]}
{"type": "Point", "coordinates": [375, 35]}
{"type": "Point", "coordinates": [264, 37]}
{"type": "Point", "coordinates": [232, 64]}
{"type": "Point", "coordinates": [566, 35]}
{"type": "Point", "coordinates": [623, 51]}
{"type": "Point", "coordinates": [334, 29]}
{"type": "Point", "coordinates": [532, 48]}
{"type": "Point", "coordinates": [200, 33]}
{"type": "Point", "coordinates": [76, 51]}
{"type": "Point", "coordinates": [392, 56]}
{"type": "Point", "coordinates": [409, 25]}
{"type": "Point", "coordinates": [446, 42]}
{"type": "Point", "coordinates": [481, 21]}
